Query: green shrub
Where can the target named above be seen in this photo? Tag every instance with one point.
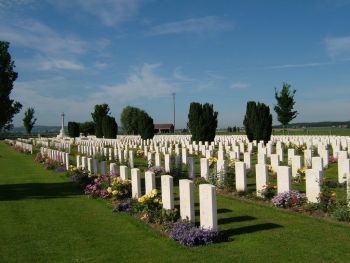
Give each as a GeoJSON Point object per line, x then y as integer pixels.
{"type": "Point", "coordinates": [199, 180]}
{"type": "Point", "coordinates": [341, 213]}
{"type": "Point", "coordinates": [73, 129]}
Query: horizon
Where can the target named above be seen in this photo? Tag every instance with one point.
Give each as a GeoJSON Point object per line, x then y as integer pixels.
{"type": "Point", "coordinates": [72, 55]}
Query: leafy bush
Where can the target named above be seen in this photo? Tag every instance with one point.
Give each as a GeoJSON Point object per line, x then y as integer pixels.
{"type": "Point", "coordinates": [331, 183]}
{"type": "Point", "coordinates": [341, 213]}
{"type": "Point", "coordinates": [79, 176]}
{"type": "Point", "coordinates": [39, 158]}
{"type": "Point", "coordinates": [269, 191]}
{"type": "Point", "coordinates": [150, 206]}
{"type": "Point", "coordinates": [98, 188]}
{"type": "Point", "coordinates": [52, 165]}
{"type": "Point", "coordinates": [119, 189]}
{"type": "Point", "coordinates": [199, 180]}
{"type": "Point", "coordinates": [157, 170]}
{"type": "Point", "coordinates": [189, 235]}
{"type": "Point", "coordinates": [327, 199]}
{"type": "Point", "coordinates": [289, 199]}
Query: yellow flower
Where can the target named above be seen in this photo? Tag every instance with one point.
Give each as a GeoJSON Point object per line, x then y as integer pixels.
{"type": "Point", "coordinates": [115, 192]}
{"type": "Point", "coordinates": [153, 193]}
{"type": "Point", "coordinates": [109, 190]}
{"type": "Point", "coordinates": [334, 194]}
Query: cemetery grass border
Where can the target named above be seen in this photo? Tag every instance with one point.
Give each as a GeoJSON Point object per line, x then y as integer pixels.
{"type": "Point", "coordinates": [30, 233]}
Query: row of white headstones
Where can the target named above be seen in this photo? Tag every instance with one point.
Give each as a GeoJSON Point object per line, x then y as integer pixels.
{"type": "Point", "coordinates": [207, 192]}
{"type": "Point", "coordinates": [313, 176]}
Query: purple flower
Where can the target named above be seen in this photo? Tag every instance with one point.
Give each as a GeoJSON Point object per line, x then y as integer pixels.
{"type": "Point", "coordinates": [289, 199]}
{"type": "Point", "coordinates": [60, 169]}
{"type": "Point", "coordinates": [38, 157]}
{"type": "Point", "coordinates": [157, 170]}
{"type": "Point", "coordinates": [189, 235]}
{"type": "Point", "coordinates": [123, 206]}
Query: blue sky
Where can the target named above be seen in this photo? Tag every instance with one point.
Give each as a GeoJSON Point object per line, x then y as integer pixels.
{"type": "Point", "coordinates": [73, 54]}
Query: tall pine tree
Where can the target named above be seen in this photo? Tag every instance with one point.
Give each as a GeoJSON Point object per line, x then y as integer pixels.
{"type": "Point", "coordinates": [202, 121]}
{"type": "Point", "coordinates": [258, 121]}
{"type": "Point", "coordinates": [100, 111]}
{"type": "Point", "coordinates": [8, 107]}
{"type": "Point", "coordinates": [29, 120]}
{"type": "Point", "coordinates": [285, 105]}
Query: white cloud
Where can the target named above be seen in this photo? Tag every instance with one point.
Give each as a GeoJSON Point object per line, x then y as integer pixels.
{"type": "Point", "coordinates": [40, 94]}
{"type": "Point", "coordinates": [60, 64]}
{"type": "Point", "coordinates": [37, 36]}
{"type": "Point", "coordinates": [141, 83]}
{"type": "Point", "coordinates": [208, 24]}
{"type": "Point", "coordinates": [12, 3]}
{"type": "Point", "coordinates": [180, 76]}
{"type": "Point", "coordinates": [338, 47]}
{"type": "Point", "coordinates": [302, 65]}
{"type": "Point", "coordinates": [239, 85]}
{"type": "Point", "coordinates": [110, 12]}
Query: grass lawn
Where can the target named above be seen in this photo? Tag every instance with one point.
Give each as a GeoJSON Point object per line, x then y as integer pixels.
{"type": "Point", "coordinates": [44, 218]}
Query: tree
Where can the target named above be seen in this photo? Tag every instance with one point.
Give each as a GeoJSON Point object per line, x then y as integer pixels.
{"type": "Point", "coordinates": [73, 129]}
{"type": "Point", "coordinates": [249, 119]}
{"type": "Point", "coordinates": [258, 121]}
{"type": "Point", "coordinates": [100, 111]}
{"type": "Point", "coordinates": [145, 126]}
{"type": "Point", "coordinates": [285, 105]}
{"type": "Point", "coordinates": [8, 107]}
{"type": "Point", "coordinates": [29, 120]}
{"type": "Point", "coordinates": [129, 119]}
{"type": "Point", "coordinates": [109, 127]}
{"type": "Point", "coordinates": [202, 121]}
{"type": "Point", "coordinates": [87, 128]}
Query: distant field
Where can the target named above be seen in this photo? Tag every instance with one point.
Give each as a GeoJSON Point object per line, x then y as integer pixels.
{"type": "Point", "coordinates": [300, 131]}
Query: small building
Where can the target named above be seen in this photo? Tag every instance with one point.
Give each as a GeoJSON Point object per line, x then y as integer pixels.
{"type": "Point", "coordinates": [164, 128]}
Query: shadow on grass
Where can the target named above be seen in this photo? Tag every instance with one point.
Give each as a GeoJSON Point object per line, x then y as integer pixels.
{"type": "Point", "coordinates": [10, 192]}
{"type": "Point", "coordinates": [234, 219]}
{"type": "Point", "coordinates": [248, 229]}
{"type": "Point", "coordinates": [224, 210]}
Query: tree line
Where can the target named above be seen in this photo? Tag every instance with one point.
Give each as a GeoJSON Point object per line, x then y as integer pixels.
{"type": "Point", "coordinates": [202, 119]}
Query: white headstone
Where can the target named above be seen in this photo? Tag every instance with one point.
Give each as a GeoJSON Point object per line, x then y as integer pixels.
{"type": "Point", "coordinates": [261, 158]}
{"type": "Point", "coordinates": [274, 161]}
{"type": "Point", "coordinates": [112, 168]}
{"type": "Point", "coordinates": [283, 179]}
{"type": "Point", "coordinates": [123, 170]}
{"type": "Point", "coordinates": [343, 169]}
{"type": "Point", "coordinates": [186, 200]}
{"type": "Point", "coordinates": [190, 167]}
{"type": "Point", "coordinates": [247, 160]}
{"type": "Point", "coordinates": [205, 168]}
{"type": "Point", "coordinates": [150, 181]}
{"type": "Point", "coordinates": [316, 163]}
{"type": "Point", "coordinates": [296, 164]}
{"type": "Point", "coordinates": [167, 163]}
{"type": "Point", "coordinates": [135, 183]}
{"type": "Point", "coordinates": [103, 167]}
{"type": "Point", "coordinates": [167, 192]}
{"type": "Point", "coordinates": [313, 184]}
{"type": "Point", "coordinates": [208, 207]}
{"type": "Point", "coordinates": [241, 178]}
{"type": "Point", "coordinates": [262, 176]}
{"type": "Point", "coordinates": [131, 159]}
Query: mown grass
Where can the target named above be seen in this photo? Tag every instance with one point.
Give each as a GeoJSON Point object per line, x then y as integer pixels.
{"type": "Point", "coordinates": [44, 218]}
